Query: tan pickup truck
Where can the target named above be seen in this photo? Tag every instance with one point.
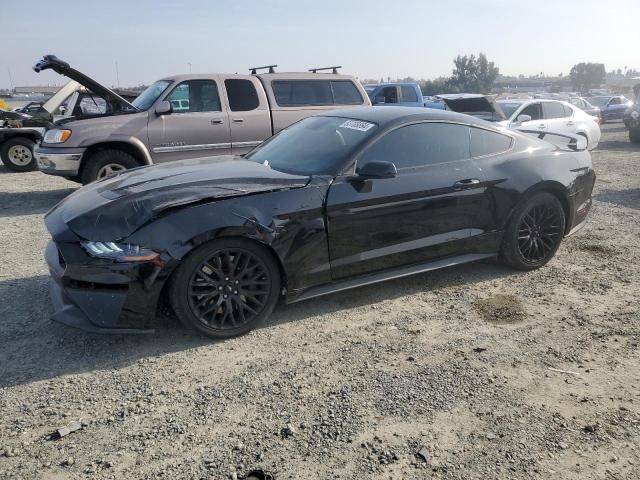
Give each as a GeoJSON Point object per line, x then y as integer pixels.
{"type": "Point", "coordinates": [185, 116]}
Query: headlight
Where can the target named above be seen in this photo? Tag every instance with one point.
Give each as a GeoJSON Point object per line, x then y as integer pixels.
{"type": "Point", "coordinates": [57, 136]}
{"type": "Point", "coordinates": [120, 252]}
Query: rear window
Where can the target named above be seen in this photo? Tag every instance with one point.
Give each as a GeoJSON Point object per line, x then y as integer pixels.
{"type": "Point", "coordinates": [484, 142]}
{"type": "Point", "coordinates": [242, 95]}
{"type": "Point", "coordinates": [295, 93]}
{"type": "Point", "coordinates": [408, 94]}
{"type": "Point", "coordinates": [553, 110]}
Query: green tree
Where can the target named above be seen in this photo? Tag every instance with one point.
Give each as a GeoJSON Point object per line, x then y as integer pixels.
{"type": "Point", "coordinates": [473, 74]}
{"type": "Point", "coordinates": [585, 76]}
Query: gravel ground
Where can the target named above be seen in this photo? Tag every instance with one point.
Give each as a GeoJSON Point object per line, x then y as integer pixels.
{"type": "Point", "coordinates": [476, 372]}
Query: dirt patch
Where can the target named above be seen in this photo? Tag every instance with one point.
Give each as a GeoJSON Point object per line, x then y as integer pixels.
{"type": "Point", "coordinates": [501, 309]}
{"type": "Point", "coordinates": [596, 249]}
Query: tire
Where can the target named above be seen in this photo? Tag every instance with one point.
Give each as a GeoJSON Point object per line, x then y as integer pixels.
{"type": "Point", "coordinates": [634, 135]}
{"type": "Point", "coordinates": [534, 232]}
{"type": "Point", "coordinates": [17, 154]}
{"type": "Point", "coordinates": [211, 295]}
{"type": "Point", "coordinates": [104, 163]}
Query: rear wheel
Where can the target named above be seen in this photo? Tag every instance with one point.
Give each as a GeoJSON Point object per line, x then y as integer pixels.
{"type": "Point", "coordinates": [534, 232]}
{"type": "Point", "coordinates": [225, 287]}
{"type": "Point", "coordinates": [17, 154]}
{"type": "Point", "coordinates": [104, 163]}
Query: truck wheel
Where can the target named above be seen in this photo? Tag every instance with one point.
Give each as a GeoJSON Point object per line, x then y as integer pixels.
{"type": "Point", "coordinates": [17, 154]}
{"type": "Point", "coordinates": [634, 135]}
{"type": "Point", "coordinates": [104, 163]}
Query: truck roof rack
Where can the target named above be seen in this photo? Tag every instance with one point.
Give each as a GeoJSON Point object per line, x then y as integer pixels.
{"type": "Point", "coordinates": [254, 70]}
{"type": "Point", "coordinates": [333, 69]}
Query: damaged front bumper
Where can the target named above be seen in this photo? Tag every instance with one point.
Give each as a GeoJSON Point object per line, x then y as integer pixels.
{"type": "Point", "coordinates": [102, 296]}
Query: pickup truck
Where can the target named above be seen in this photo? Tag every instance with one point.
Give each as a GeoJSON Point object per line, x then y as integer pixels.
{"type": "Point", "coordinates": [400, 94]}
{"type": "Point", "coordinates": [186, 116]}
{"type": "Point", "coordinates": [22, 129]}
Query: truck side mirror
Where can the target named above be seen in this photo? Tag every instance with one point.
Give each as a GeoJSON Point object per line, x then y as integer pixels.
{"type": "Point", "coordinates": [164, 108]}
{"type": "Point", "coordinates": [379, 100]}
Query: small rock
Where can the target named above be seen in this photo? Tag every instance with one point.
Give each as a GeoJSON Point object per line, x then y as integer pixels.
{"type": "Point", "coordinates": [425, 455]}
{"type": "Point", "coordinates": [64, 431]}
{"type": "Point", "coordinates": [288, 431]}
{"type": "Point", "coordinates": [491, 436]}
{"type": "Point", "coordinates": [69, 461]}
{"type": "Point", "coordinates": [562, 446]}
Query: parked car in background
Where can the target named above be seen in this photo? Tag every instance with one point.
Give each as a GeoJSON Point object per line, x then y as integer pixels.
{"type": "Point", "coordinates": [433, 102]}
{"type": "Point", "coordinates": [185, 116]}
{"type": "Point", "coordinates": [612, 108]}
{"type": "Point", "coordinates": [632, 121]}
{"type": "Point", "coordinates": [537, 115]}
{"type": "Point", "coordinates": [396, 94]}
{"type": "Point", "coordinates": [584, 105]}
{"type": "Point", "coordinates": [405, 190]}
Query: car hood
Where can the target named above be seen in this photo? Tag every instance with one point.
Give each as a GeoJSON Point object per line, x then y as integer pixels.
{"type": "Point", "coordinates": [114, 208]}
{"type": "Point", "coordinates": [483, 106]}
{"type": "Point", "coordinates": [51, 62]}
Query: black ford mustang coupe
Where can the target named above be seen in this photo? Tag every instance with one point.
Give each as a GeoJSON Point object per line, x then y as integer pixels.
{"type": "Point", "coordinates": [333, 202]}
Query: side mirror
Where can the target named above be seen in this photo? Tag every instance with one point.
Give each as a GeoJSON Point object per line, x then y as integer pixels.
{"type": "Point", "coordinates": [578, 143]}
{"type": "Point", "coordinates": [521, 119]}
{"type": "Point", "coordinates": [377, 169]}
{"type": "Point", "coordinates": [378, 100]}
{"type": "Point", "coordinates": [164, 108]}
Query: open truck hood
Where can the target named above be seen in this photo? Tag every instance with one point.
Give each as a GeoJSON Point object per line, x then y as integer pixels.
{"type": "Point", "coordinates": [114, 208]}
{"type": "Point", "coordinates": [51, 62]}
{"type": "Point", "coordinates": [476, 104]}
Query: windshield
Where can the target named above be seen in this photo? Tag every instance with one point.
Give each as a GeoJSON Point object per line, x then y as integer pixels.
{"type": "Point", "coordinates": [313, 146]}
{"type": "Point", "coordinates": [598, 101]}
{"type": "Point", "coordinates": [509, 108]}
{"type": "Point", "coordinates": [150, 95]}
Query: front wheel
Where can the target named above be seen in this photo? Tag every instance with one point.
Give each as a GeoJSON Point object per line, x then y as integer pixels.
{"type": "Point", "coordinates": [17, 154]}
{"type": "Point", "coordinates": [225, 287]}
{"type": "Point", "coordinates": [534, 232]}
{"type": "Point", "coordinates": [104, 163]}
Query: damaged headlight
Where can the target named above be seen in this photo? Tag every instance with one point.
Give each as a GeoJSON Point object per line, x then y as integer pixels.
{"type": "Point", "coordinates": [57, 136]}
{"type": "Point", "coordinates": [120, 252]}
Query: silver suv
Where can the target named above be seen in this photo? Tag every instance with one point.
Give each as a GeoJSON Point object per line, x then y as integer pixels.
{"type": "Point", "coordinates": [185, 116]}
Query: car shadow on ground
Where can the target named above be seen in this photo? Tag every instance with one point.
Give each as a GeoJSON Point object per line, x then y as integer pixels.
{"type": "Point", "coordinates": [33, 348]}
{"type": "Point", "coordinates": [13, 204]}
{"type": "Point", "coordinates": [613, 145]}
{"type": "Point", "coordinates": [629, 198]}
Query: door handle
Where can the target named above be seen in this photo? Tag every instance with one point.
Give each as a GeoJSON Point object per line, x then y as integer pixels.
{"type": "Point", "coordinates": [216, 121]}
{"type": "Point", "coordinates": [238, 120]}
{"type": "Point", "coordinates": [466, 183]}
{"type": "Point", "coordinates": [542, 125]}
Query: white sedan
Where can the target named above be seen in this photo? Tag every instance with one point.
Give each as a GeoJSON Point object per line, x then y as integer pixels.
{"type": "Point", "coordinates": [536, 115]}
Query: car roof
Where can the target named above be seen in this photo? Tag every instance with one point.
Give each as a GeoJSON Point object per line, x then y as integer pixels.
{"type": "Point", "coordinates": [384, 116]}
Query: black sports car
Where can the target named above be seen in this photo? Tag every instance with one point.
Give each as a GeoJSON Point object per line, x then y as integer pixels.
{"type": "Point", "coordinates": [333, 202]}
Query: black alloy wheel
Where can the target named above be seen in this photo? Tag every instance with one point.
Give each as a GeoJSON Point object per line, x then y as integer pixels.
{"type": "Point", "coordinates": [534, 232]}
{"type": "Point", "coordinates": [226, 288]}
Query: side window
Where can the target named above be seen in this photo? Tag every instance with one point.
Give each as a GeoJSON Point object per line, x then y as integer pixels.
{"type": "Point", "coordinates": [390, 94]}
{"type": "Point", "coordinates": [420, 144]}
{"type": "Point", "coordinates": [485, 142]}
{"type": "Point", "coordinates": [242, 95]}
{"type": "Point", "coordinates": [295, 93]}
{"type": "Point", "coordinates": [408, 94]}
{"type": "Point", "coordinates": [195, 96]}
{"type": "Point", "coordinates": [533, 110]}
{"type": "Point", "coordinates": [614, 101]}
{"type": "Point", "coordinates": [345, 93]}
{"type": "Point", "coordinates": [568, 111]}
{"type": "Point", "coordinates": [553, 110]}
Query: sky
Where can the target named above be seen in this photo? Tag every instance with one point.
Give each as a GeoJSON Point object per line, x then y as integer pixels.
{"type": "Point", "coordinates": [150, 39]}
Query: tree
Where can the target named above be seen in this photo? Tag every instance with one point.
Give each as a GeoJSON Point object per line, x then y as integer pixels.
{"type": "Point", "coordinates": [474, 74]}
{"type": "Point", "coordinates": [585, 76]}
{"type": "Point", "coordinates": [437, 86]}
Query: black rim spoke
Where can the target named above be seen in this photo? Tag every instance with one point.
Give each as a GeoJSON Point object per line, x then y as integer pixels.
{"type": "Point", "coordinates": [539, 232]}
{"type": "Point", "coordinates": [229, 289]}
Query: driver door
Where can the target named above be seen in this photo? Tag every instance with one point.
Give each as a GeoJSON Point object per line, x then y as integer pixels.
{"type": "Point", "coordinates": [426, 212]}
{"type": "Point", "coordinates": [198, 126]}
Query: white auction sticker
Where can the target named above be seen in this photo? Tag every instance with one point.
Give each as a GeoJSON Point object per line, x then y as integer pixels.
{"type": "Point", "coordinates": [358, 125]}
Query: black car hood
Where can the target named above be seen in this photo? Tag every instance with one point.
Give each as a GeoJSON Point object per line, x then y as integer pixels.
{"type": "Point", "coordinates": [51, 62]}
{"type": "Point", "coordinates": [114, 208]}
{"type": "Point", "coordinates": [478, 105]}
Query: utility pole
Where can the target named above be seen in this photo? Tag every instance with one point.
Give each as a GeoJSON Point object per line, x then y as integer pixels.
{"type": "Point", "coordinates": [117, 75]}
{"type": "Point", "coordinates": [189, 67]}
{"type": "Point", "coordinates": [10, 78]}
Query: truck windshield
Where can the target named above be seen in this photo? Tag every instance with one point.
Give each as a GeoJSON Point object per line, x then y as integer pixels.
{"type": "Point", "coordinates": [150, 95]}
{"type": "Point", "coordinates": [313, 146]}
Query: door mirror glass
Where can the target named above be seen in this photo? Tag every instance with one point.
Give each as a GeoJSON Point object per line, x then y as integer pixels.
{"type": "Point", "coordinates": [377, 169]}
{"type": "Point", "coordinates": [164, 108]}
{"type": "Point", "coordinates": [522, 118]}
